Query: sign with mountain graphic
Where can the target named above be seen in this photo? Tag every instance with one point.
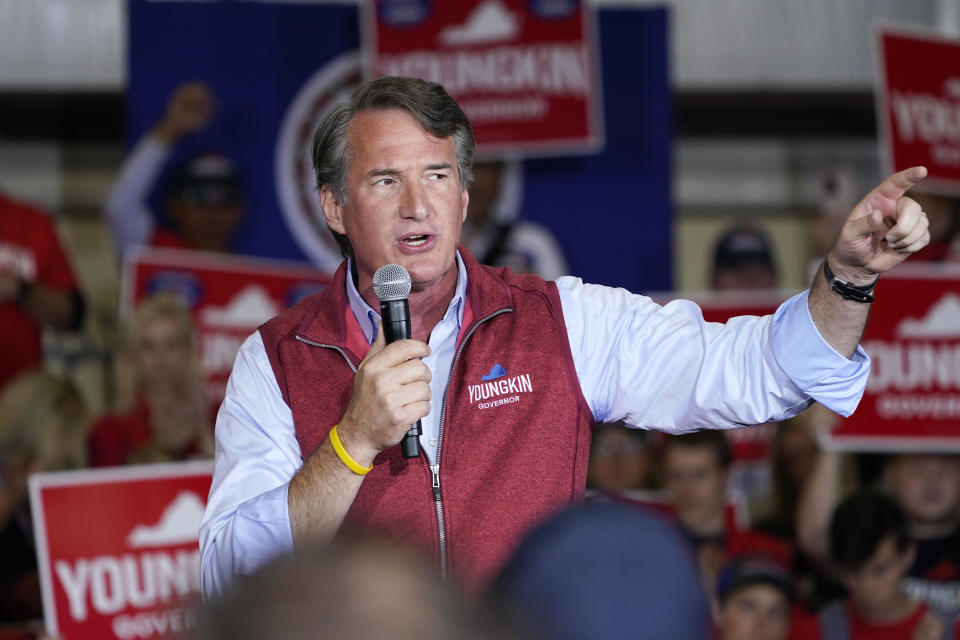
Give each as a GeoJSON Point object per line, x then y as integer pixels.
{"type": "Point", "coordinates": [912, 401]}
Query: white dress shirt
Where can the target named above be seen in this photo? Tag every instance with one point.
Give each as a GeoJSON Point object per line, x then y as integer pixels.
{"type": "Point", "coordinates": [656, 367]}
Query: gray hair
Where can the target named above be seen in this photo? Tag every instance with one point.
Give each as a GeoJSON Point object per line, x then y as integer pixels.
{"type": "Point", "coordinates": [428, 102]}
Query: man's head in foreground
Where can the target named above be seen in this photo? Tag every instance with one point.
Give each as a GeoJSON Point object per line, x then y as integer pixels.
{"type": "Point", "coordinates": [393, 166]}
{"type": "Point", "coordinates": [352, 588]}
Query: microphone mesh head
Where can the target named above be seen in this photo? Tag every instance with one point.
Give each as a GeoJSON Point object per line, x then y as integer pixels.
{"type": "Point", "coordinates": [391, 282]}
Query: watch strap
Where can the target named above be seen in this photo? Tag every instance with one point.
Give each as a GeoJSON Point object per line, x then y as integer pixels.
{"type": "Point", "coordinates": [857, 293]}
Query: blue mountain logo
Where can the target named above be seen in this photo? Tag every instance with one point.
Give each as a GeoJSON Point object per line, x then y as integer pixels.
{"type": "Point", "coordinates": [496, 372]}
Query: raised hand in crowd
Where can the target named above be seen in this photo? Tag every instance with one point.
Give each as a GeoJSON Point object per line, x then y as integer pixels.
{"type": "Point", "coordinates": [190, 109]}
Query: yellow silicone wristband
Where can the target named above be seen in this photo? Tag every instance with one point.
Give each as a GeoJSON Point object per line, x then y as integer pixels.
{"type": "Point", "coordinates": [345, 457]}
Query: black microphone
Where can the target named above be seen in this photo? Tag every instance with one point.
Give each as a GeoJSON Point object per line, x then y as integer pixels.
{"type": "Point", "coordinates": [391, 283]}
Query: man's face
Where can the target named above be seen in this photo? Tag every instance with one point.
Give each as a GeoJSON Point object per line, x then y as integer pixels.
{"type": "Point", "coordinates": [618, 460]}
{"type": "Point", "coordinates": [696, 484]}
{"type": "Point", "coordinates": [404, 202]}
{"type": "Point", "coordinates": [754, 612]}
{"type": "Point", "coordinates": [208, 227]}
{"type": "Point", "coordinates": [927, 487]}
{"type": "Point", "coordinates": [875, 586]}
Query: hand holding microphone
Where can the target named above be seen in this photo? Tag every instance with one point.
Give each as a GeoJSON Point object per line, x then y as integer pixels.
{"type": "Point", "coordinates": [391, 283]}
{"type": "Point", "coordinates": [391, 390]}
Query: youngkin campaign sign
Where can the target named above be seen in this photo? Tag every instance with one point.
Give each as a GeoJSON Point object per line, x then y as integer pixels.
{"type": "Point", "coordinates": [524, 71]}
{"type": "Point", "coordinates": [228, 297]}
{"type": "Point", "coordinates": [117, 550]}
{"type": "Point", "coordinates": [276, 68]}
{"type": "Point", "coordinates": [918, 103]}
{"type": "Point", "coordinates": [912, 401]}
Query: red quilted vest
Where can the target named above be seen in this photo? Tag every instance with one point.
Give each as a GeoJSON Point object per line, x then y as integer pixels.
{"type": "Point", "coordinates": [514, 447]}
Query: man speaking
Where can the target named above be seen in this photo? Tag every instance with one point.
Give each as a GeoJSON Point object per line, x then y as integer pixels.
{"type": "Point", "coordinates": [508, 374]}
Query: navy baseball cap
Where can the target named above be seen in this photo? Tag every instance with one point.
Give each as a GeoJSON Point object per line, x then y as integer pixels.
{"type": "Point", "coordinates": [208, 180]}
{"type": "Point", "coordinates": [742, 245]}
{"type": "Point", "coordinates": [748, 570]}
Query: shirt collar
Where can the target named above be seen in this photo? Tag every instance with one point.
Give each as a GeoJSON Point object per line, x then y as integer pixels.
{"type": "Point", "coordinates": [368, 319]}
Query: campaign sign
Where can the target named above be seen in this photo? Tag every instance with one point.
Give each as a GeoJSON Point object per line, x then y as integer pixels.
{"type": "Point", "coordinates": [919, 103]}
{"type": "Point", "coordinates": [524, 71]}
{"type": "Point", "coordinates": [912, 400]}
{"type": "Point", "coordinates": [228, 296]}
{"type": "Point", "coordinates": [117, 549]}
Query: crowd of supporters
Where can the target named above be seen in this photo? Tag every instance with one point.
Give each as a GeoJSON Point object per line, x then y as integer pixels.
{"type": "Point", "coordinates": [824, 545]}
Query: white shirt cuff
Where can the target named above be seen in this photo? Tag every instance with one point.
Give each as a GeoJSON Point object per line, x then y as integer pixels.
{"type": "Point", "coordinates": [818, 369]}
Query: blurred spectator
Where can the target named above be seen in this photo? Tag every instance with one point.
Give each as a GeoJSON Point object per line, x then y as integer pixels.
{"type": "Point", "coordinates": [493, 232]}
{"type": "Point", "coordinates": [619, 458]}
{"type": "Point", "coordinates": [793, 457]}
{"type": "Point", "coordinates": [604, 570]}
{"type": "Point", "coordinates": [695, 480]}
{"type": "Point", "coordinates": [37, 287]}
{"type": "Point", "coordinates": [43, 424]}
{"type": "Point", "coordinates": [203, 203]}
{"type": "Point", "coordinates": [743, 260]}
{"type": "Point", "coordinates": [872, 551]}
{"type": "Point", "coordinates": [754, 595]}
{"type": "Point", "coordinates": [927, 488]}
{"type": "Point", "coordinates": [840, 191]}
{"type": "Point", "coordinates": [162, 412]}
{"type": "Point", "coordinates": [354, 588]}
{"type": "Point", "coordinates": [943, 214]}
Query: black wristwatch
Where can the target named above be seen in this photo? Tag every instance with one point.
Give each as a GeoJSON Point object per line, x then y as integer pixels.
{"type": "Point", "coordinates": [857, 293]}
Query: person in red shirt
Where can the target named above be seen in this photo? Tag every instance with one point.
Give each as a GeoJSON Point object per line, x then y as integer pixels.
{"type": "Point", "coordinates": [37, 287]}
{"type": "Point", "coordinates": [872, 551]}
{"type": "Point", "coordinates": [203, 202]}
{"type": "Point", "coordinates": [926, 486]}
{"type": "Point", "coordinates": [695, 478]}
{"type": "Point", "coordinates": [43, 427]}
{"type": "Point", "coordinates": [163, 411]}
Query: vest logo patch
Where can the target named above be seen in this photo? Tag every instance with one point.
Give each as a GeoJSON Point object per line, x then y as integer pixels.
{"type": "Point", "coordinates": [497, 389]}
{"type": "Point", "coordinates": [496, 371]}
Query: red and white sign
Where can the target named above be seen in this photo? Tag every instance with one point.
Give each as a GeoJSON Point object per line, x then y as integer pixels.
{"type": "Point", "coordinates": [912, 401]}
{"type": "Point", "coordinates": [228, 296]}
{"type": "Point", "coordinates": [117, 549]}
{"type": "Point", "coordinates": [524, 71]}
{"type": "Point", "coordinates": [918, 103]}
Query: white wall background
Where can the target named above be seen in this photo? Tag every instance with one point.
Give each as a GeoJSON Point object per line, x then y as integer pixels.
{"type": "Point", "coordinates": [723, 44]}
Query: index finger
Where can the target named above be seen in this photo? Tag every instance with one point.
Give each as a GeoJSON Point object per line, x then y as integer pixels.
{"type": "Point", "coordinates": [896, 185]}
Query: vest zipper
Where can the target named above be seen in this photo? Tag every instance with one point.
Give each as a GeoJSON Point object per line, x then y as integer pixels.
{"type": "Point", "coordinates": [435, 469]}
{"type": "Point", "coordinates": [328, 346]}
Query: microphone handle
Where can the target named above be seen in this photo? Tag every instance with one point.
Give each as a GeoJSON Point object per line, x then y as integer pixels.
{"type": "Point", "coordinates": [396, 326]}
